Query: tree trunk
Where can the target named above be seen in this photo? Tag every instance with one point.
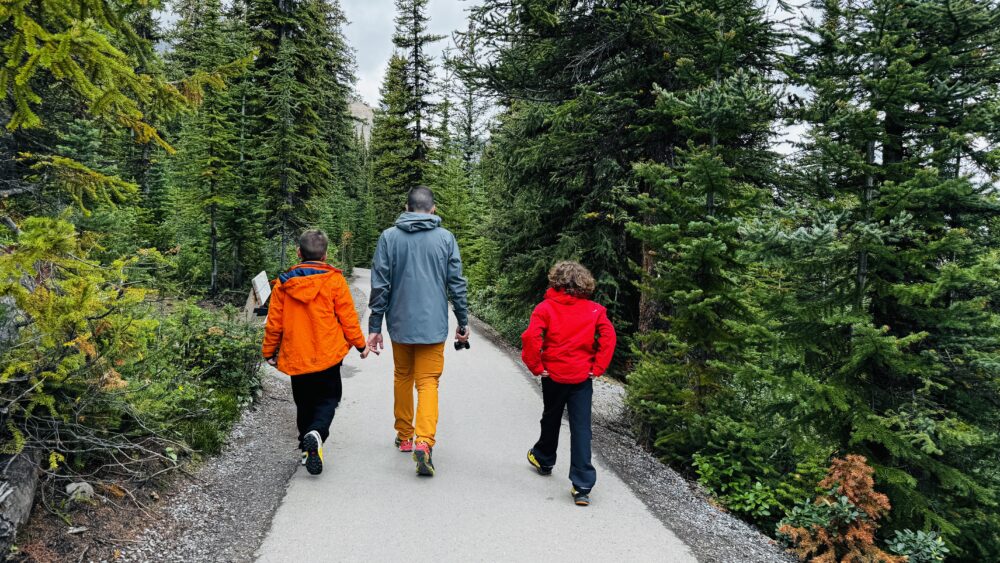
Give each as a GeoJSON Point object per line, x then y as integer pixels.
{"type": "Point", "coordinates": [18, 483]}
{"type": "Point", "coordinates": [867, 197]}
{"type": "Point", "coordinates": [214, 249]}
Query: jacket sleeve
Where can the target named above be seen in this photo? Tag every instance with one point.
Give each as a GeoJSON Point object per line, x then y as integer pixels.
{"type": "Point", "coordinates": [347, 315]}
{"type": "Point", "coordinates": [378, 300]}
{"type": "Point", "coordinates": [457, 285]}
{"type": "Point", "coordinates": [275, 323]}
{"type": "Point", "coordinates": [533, 339]}
{"type": "Point", "coordinates": [606, 341]}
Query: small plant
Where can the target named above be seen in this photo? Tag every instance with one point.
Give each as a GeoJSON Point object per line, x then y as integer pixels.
{"type": "Point", "coordinates": [919, 546]}
{"type": "Point", "coordinates": [840, 525]}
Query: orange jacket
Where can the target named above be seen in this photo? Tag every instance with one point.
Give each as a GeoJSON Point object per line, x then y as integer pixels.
{"type": "Point", "coordinates": [311, 322]}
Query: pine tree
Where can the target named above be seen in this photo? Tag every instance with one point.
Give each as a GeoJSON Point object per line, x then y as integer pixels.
{"type": "Point", "coordinates": [244, 225]}
{"type": "Point", "coordinates": [412, 39]}
{"type": "Point", "coordinates": [204, 182]}
{"type": "Point", "coordinates": [577, 85]}
{"type": "Point", "coordinates": [297, 71]}
{"type": "Point", "coordinates": [449, 177]}
{"type": "Point", "coordinates": [891, 293]}
{"type": "Point", "coordinates": [471, 106]}
{"type": "Point", "coordinates": [394, 171]}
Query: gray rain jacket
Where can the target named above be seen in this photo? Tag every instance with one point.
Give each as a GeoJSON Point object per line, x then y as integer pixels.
{"type": "Point", "coordinates": [416, 270]}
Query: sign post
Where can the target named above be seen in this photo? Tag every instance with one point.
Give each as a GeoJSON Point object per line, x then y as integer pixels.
{"type": "Point", "coordinates": [260, 291]}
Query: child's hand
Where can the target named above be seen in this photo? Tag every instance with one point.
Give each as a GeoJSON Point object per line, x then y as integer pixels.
{"type": "Point", "coordinates": [273, 362]}
{"type": "Point", "coordinates": [545, 373]}
{"type": "Point", "coordinates": [368, 350]}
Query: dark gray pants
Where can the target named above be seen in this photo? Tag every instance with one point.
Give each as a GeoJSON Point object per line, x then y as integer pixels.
{"type": "Point", "coordinates": [576, 398]}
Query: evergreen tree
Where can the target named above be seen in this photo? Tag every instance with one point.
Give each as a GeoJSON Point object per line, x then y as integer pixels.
{"type": "Point", "coordinates": [204, 190]}
{"type": "Point", "coordinates": [695, 205]}
{"type": "Point", "coordinates": [890, 291]}
{"type": "Point", "coordinates": [393, 169]}
{"type": "Point", "coordinates": [298, 72]}
{"type": "Point", "coordinates": [244, 225]}
{"type": "Point", "coordinates": [471, 106]}
{"type": "Point", "coordinates": [579, 78]}
{"type": "Point", "coordinates": [412, 39]}
{"type": "Point", "coordinates": [449, 177]}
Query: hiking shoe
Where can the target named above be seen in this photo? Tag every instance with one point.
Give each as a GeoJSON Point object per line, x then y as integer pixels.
{"type": "Point", "coordinates": [422, 455]}
{"type": "Point", "coordinates": [541, 469]}
{"type": "Point", "coordinates": [313, 445]}
{"type": "Point", "coordinates": [404, 445]}
{"type": "Point", "coordinates": [581, 499]}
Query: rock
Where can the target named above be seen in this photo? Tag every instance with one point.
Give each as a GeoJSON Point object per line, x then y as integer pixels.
{"type": "Point", "coordinates": [77, 530]}
{"type": "Point", "coordinates": [154, 495]}
{"type": "Point", "coordinates": [80, 491]}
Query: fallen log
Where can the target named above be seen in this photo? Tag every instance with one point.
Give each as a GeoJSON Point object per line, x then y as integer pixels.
{"type": "Point", "coordinates": [18, 482]}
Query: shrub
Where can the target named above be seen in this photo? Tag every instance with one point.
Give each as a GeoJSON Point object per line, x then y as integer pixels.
{"type": "Point", "coordinates": [97, 383]}
{"type": "Point", "coordinates": [919, 546]}
{"type": "Point", "coordinates": [840, 525]}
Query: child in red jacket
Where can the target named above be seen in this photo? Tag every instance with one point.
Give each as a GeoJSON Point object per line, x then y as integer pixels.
{"type": "Point", "coordinates": [569, 342]}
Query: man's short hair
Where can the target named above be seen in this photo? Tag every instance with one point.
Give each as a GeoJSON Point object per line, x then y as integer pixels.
{"type": "Point", "coordinates": [420, 200]}
{"type": "Point", "coordinates": [313, 244]}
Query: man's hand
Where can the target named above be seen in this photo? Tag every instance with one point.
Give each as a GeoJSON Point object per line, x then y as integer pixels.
{"type": "Point", "coordinates": [462, 334]}
{"type": "Point", "coordinates": [374, 344]}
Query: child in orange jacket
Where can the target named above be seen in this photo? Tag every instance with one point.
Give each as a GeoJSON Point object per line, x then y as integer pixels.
{"type": "Point", "coordinates": [311, 327]}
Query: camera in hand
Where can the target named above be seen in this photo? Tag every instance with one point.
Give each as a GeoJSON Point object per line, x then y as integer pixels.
{"type": "Point", "coordinates": [459, 344]}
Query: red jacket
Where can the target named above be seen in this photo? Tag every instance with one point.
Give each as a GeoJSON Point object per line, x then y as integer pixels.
{"type": "Point", "coordinates": [569, 337]}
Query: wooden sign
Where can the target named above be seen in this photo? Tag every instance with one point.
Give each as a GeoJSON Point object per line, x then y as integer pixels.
{"type": "Point", "coordinates": [260, 291]}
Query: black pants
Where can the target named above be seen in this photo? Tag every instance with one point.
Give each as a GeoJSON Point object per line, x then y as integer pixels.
{"type": "Point", "coordinates": [316, 398]}
{"type": "Point", "coordinates": [576, 398]}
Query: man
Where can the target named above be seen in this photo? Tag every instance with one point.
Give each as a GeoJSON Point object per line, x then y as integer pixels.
{"type": "Point", "coordinates": [311, 326]}
{"type": "Point", "coordinates": [417, 268]}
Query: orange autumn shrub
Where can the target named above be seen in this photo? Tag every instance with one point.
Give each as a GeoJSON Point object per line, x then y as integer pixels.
{"type": "Point", "coordinates": [840, 526]}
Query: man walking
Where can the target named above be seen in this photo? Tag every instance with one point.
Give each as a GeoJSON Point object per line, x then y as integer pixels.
{"type": "Point", "coordinates": [416, 270]}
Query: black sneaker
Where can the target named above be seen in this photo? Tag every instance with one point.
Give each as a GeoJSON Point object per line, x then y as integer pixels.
{"type": "Point", "coordinates": [581, 499]}
{"type": "Point", "coordinates": [541, 469]}
{"type": "Point", "coordinates": [313, 446]}
{"type": "Point", "coordinates": [422, 455]}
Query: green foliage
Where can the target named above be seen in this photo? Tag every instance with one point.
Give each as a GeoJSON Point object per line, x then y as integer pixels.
{"type": "Point", "coordinates": [919, 546]}
{"type": "Point", "coordinates": [92, 373]}
{"type": "Point", "coordinates": [75, 43]}
{"type": "Point", "coordinates": [207, 373]}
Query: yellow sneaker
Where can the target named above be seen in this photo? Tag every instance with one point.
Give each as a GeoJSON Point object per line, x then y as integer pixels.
{"type": "Point", "coordinates": [541, 469]}
{"type": "Point", "coordinates": [313, 446]}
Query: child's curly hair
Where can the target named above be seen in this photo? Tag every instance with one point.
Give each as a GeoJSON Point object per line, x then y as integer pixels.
{"type": "Point", "coordinates": [572, 278]}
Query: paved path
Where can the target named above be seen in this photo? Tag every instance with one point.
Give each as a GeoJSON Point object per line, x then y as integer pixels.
{"type": "Point", "coordinates": [484, 504]}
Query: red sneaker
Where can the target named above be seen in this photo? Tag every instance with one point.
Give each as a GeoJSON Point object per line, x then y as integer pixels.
{"type": "Point", "coordinates": [404, 445]}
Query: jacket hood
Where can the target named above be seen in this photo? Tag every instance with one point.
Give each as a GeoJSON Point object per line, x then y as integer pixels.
{"type": "Point", "coordinates": [561, 297]}
{"type": "Point", "coordinates": [413, 222]}
{"type": "Point", "coordinates": [303, 282]}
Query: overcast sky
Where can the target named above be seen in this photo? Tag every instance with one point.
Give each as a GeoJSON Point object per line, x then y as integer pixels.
{"type": "Point", "coordinates": [370, 34]}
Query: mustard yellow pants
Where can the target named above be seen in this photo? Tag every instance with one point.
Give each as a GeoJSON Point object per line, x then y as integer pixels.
{"type": "Point", "coordinates": [420, 366]}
